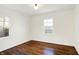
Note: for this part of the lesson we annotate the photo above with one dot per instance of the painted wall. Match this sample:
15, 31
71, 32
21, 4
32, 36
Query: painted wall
18, 29
76, 40
63, 32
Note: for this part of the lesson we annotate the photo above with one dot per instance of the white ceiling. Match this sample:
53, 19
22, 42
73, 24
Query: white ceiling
43, 8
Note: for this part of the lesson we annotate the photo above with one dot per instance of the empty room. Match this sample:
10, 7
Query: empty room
39, 29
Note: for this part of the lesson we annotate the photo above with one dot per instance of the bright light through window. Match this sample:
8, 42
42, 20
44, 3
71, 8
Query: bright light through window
48, 25
4, 26
48, 22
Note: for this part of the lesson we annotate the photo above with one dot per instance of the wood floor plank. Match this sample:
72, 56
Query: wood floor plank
40, 48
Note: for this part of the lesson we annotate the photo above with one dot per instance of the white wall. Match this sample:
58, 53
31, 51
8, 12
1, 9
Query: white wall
76, 40
63, 32
18, 29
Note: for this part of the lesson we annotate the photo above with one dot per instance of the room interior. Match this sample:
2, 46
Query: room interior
39, 29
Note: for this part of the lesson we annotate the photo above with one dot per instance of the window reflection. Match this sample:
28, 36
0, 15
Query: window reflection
48, 51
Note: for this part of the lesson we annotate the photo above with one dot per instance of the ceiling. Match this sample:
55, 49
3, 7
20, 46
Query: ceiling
43, 8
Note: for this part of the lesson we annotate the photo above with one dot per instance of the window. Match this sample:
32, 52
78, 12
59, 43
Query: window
4, 31
48, 25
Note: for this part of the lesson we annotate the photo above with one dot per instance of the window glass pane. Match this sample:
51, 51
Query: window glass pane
6, 24
6, 18
48, 27
1, 19
1, 24
48, 22
48, 30
1, 28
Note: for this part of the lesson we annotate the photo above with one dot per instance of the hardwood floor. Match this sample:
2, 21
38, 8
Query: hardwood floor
40, 48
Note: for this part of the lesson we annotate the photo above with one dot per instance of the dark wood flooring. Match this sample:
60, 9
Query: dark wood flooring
40, 48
